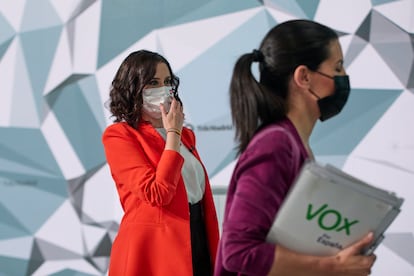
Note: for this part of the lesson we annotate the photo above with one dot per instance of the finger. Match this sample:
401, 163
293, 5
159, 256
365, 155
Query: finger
162, 108
357, 247
173, 104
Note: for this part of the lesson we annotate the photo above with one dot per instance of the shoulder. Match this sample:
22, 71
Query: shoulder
117, 128
271, 138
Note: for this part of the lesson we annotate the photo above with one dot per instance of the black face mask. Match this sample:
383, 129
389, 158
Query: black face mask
333, 104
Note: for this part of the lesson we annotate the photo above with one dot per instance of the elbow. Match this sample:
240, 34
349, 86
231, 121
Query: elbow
158, 195
232, 256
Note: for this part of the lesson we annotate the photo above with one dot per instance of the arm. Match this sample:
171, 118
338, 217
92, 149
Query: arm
259, 184
133, 171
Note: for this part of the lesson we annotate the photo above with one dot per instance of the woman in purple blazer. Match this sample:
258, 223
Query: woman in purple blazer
302, 79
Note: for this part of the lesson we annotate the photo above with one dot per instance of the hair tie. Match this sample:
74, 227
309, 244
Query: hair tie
257, 55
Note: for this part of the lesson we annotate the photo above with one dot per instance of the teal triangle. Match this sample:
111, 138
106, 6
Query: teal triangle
10, 227
7, 31
29, 148
291, 7
380, 2
39, 14
216, 8
25, 113
19, 198
138, 18
39, 50
79, 123
341, 134
4, 46
13, 266
309, 7
93, 99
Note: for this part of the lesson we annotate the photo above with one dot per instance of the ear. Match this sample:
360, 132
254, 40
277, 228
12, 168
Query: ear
301, 76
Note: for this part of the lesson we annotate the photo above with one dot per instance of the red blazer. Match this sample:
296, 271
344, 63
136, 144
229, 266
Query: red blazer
154, 234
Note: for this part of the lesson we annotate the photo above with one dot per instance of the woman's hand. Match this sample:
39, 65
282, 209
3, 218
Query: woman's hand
173, 124
174, 118
349, 261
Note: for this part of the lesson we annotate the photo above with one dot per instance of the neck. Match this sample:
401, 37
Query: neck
304, 127
157, 123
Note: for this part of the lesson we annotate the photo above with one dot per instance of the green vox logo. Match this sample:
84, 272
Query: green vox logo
330, 219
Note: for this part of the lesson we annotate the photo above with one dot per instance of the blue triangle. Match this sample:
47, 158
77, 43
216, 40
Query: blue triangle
39, 14
380, 2
92, 96
39, 50
10, 227
4, 46
40, 203
216, 8
341, 134
29, 148
78, 121
138, 18
7, 31
292, 7
13, 266
309, 7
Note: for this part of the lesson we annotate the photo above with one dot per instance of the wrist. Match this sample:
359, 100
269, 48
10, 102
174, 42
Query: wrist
174, 130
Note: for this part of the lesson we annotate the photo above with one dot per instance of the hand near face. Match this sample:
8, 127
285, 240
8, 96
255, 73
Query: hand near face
175, 116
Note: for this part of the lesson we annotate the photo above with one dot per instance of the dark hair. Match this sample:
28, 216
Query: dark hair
135, 72
285, 47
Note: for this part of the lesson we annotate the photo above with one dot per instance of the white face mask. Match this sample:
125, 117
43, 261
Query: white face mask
153, 97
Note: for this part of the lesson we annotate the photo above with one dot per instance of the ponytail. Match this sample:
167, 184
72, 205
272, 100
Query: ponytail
252, 104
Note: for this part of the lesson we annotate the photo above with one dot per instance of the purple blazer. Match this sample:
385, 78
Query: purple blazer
260, 181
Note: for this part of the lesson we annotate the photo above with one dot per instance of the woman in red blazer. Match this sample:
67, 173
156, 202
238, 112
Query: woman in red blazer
169, 225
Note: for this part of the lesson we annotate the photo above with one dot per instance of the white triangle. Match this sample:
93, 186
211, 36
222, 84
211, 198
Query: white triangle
221, 180
61, 147
13, 12
370, 71
345, 42
390, 140
343, 15
63, 229
103, 209
385, 157
385, 176
7, 76
400, 12
389, 263
65, 8
52, 267
93, 235
19, 248
86, 44
61, 67
280, 16
180, 48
